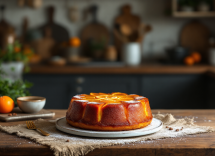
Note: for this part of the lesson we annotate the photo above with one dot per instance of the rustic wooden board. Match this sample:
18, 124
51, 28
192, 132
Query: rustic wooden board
192, 145
94, 31
58, 32
195, 36
25, 116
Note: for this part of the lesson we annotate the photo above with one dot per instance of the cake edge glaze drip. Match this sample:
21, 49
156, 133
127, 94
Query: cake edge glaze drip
109, 112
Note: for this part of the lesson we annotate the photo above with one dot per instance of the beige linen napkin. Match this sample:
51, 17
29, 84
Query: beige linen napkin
76, 146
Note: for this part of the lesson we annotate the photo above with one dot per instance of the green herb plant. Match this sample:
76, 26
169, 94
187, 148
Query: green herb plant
97, 45
16, 52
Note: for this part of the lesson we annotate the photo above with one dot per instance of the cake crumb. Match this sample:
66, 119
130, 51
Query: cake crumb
10, 114
177, 130
67, 140
14, 114
170, 128
167, 127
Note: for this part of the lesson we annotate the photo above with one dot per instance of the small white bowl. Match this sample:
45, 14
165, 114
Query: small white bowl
31, 104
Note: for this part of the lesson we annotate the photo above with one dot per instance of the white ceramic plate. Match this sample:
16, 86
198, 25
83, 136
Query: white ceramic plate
155, 126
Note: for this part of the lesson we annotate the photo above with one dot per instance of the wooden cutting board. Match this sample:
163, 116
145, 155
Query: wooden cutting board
59, 33
25, 116
94, 31
195, 36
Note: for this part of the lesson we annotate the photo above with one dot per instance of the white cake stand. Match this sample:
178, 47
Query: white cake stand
63, 126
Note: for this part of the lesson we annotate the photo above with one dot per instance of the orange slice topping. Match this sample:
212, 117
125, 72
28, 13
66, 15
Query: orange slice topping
113, 98
119, 93
133, 95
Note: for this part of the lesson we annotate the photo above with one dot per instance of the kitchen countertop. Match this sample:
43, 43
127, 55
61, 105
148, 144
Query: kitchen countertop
142, 69
200, 144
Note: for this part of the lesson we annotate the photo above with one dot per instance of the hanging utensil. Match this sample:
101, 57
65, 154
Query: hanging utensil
143, 30
73, 13
7, 32
35, 3
21, 3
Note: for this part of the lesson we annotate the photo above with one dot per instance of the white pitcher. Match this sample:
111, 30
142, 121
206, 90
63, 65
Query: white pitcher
131, 54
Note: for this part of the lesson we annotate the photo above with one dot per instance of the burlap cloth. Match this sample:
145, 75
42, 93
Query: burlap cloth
57, 141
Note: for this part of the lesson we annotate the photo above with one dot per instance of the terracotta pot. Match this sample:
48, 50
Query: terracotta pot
111, 54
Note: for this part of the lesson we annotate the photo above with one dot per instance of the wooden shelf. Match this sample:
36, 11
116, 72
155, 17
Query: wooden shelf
143, 69
194, 14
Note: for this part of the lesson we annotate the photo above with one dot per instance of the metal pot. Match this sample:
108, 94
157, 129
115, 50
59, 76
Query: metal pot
176, 55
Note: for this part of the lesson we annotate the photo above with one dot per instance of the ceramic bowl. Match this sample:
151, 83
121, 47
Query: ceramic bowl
31, 104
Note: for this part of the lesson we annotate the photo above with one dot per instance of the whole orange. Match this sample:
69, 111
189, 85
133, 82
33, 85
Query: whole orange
17, 49
6, 104
196, 56
75, 42
189, 60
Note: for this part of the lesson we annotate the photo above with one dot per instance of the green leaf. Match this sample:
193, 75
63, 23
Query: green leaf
12, 69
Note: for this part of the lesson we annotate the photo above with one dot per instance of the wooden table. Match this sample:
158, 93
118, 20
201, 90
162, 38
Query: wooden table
196, 145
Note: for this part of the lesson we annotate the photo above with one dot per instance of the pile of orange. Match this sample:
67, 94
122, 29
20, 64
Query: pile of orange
6, 104
75, 42
195, 57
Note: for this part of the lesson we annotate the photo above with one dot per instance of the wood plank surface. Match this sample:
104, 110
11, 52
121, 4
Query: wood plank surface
198, 145
143, 69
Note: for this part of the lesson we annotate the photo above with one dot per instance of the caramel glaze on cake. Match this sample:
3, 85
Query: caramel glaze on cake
109, 112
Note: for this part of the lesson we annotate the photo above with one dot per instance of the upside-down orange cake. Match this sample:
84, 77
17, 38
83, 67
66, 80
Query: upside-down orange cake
109, 112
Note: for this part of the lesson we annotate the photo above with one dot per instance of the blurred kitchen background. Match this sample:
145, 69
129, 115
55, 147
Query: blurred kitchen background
161, 49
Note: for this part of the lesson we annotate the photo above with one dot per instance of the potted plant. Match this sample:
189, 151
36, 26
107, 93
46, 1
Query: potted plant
14, 89
97, 48
187, 5
13, 58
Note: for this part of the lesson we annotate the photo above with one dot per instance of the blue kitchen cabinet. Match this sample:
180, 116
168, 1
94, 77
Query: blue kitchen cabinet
59, 89
175, 91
